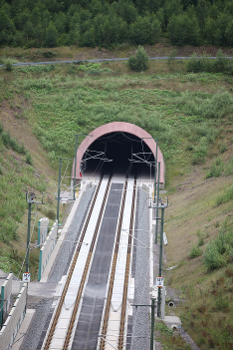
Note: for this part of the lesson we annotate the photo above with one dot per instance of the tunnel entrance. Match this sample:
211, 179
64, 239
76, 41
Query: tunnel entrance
120, 153
117, 147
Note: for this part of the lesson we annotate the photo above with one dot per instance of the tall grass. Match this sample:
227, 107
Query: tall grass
225, 197
203, 64
12, 198
219, 251
174, 118
216, 169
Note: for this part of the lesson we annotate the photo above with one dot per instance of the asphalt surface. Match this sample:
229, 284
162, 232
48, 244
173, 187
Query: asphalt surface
139, 324
87, 331
40, 322
96, 60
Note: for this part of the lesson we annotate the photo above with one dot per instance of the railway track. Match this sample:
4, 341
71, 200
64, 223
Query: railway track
113, 218
113, 331
50, 335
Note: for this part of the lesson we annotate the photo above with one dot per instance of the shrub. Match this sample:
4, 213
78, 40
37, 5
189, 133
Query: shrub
222, 148
50, 214
229, 168
139, 62
195, 252
28, 158
221, 303
216, 169
219, 105
212, 258
219, 252
49, 54
227, 196
203, 64
200, 151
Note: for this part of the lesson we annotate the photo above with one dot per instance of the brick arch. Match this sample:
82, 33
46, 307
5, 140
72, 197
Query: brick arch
119, 127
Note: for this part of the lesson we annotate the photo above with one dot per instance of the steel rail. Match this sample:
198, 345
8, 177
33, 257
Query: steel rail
86, 269
112, 275
127, 273
64, 292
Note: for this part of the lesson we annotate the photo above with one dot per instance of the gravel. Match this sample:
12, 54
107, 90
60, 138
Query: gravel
141, 314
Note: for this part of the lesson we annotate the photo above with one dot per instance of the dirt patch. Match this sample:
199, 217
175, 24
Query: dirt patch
18, 127
160, 49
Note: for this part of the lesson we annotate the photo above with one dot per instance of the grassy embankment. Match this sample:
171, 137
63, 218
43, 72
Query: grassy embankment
191, 116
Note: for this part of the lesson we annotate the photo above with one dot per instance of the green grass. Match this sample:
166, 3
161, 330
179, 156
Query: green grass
171, 340
225, 197
70, 100
195, 252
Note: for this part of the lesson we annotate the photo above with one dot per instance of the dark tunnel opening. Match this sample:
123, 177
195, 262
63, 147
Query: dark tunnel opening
118, 153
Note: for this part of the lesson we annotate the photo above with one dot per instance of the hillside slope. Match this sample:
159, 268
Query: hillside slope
190, 115
23, 167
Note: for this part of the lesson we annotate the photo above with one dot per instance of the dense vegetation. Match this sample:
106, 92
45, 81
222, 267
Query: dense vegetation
49, 23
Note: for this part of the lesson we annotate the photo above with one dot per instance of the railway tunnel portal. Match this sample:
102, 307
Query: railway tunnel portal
115, 147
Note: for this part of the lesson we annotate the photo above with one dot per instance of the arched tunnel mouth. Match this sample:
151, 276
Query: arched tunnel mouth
118, 153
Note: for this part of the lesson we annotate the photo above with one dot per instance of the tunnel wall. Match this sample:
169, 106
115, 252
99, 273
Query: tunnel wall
119, 127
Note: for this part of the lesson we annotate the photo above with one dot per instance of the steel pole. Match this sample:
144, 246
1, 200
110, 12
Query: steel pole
157, 207
59, 190
160, 260
156, 157
152, 324
28, 234
75, 165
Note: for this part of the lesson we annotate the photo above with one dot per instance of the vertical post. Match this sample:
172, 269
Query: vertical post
156, 157
38, 235
2, 306
75, 165
28, 232
40, 266
157, 207
160, 260
59, 191
152, 324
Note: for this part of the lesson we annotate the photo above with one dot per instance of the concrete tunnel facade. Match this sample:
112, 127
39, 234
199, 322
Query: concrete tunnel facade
118, 128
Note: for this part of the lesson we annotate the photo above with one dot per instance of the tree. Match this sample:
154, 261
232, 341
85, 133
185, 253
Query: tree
146, 30
183, 29
51, 35
140, 61
126, 10
7, 28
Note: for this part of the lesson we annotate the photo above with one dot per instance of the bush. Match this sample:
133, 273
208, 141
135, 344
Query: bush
229, 168
48, 54
200, 151
195, 252
219, 252
203, 64
216, 169
227, 196
140, 61
9, 67
28, 158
